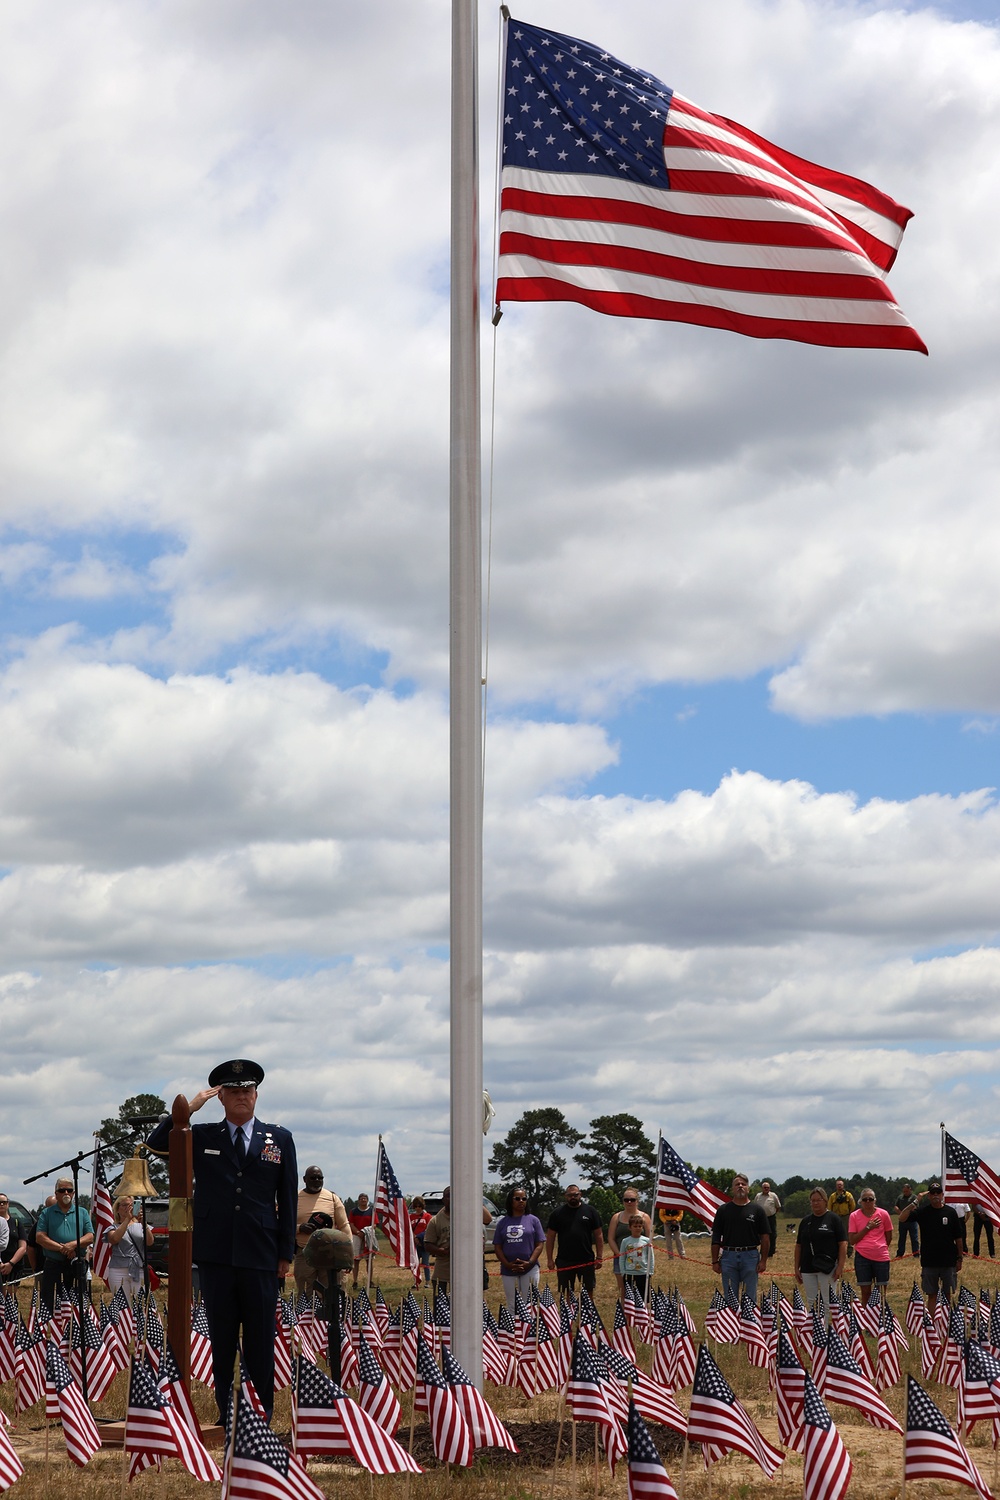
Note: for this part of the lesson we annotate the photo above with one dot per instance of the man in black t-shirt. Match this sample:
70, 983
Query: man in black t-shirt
580, 1233
942, 1243
740, 1242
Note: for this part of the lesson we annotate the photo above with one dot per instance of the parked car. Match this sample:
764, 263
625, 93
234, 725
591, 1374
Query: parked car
157, 1213
434, 1199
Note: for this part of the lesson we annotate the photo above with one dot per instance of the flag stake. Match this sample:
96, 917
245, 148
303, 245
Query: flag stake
562, 1418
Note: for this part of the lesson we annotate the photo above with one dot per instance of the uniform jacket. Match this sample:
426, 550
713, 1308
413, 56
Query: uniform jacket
242, 1217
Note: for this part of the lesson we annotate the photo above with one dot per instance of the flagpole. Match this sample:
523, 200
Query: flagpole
943, 1189
466, 677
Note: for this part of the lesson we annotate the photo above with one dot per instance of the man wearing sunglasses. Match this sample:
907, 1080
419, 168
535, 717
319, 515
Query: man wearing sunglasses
63, 1232
942, 1243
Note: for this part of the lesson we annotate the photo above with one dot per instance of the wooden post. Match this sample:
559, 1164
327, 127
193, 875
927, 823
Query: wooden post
180, 1223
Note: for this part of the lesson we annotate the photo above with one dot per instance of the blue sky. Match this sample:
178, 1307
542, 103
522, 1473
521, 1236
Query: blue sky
743, 686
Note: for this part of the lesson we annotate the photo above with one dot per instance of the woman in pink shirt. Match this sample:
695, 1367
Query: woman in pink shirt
869, 1230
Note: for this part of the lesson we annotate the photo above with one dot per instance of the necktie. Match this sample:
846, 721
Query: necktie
241, 1147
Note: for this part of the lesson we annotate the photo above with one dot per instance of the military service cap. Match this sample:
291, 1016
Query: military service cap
240, 1073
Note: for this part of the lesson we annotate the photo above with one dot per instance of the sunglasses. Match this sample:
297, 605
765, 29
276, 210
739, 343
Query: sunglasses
64, 1190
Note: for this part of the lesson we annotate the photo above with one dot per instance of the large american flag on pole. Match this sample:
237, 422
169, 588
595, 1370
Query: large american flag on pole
966, 1176
621, 194
678, 1187
391, 1204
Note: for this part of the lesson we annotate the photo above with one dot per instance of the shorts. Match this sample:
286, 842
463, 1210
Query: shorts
933, 1276
868, 1271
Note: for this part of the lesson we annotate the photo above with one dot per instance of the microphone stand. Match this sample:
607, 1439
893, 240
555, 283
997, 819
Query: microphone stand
80, 1257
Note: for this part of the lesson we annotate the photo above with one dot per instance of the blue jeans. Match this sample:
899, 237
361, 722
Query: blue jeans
739, 1266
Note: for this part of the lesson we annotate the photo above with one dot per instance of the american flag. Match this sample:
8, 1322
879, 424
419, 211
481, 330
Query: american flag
450, 1435
931, 1450
979, 1392
678, 1187
844, 1382
621, 194
647, 1478
494, 1359
375, 1394
953, 1351
719, 1423
104, 1219
79, 1428
29, 1367
967, 1178
11, 1467
487, 1430
101, 1368
653, 1400
620, 1336
752, 1334
589, 1401
790, 1393
201, 1347
826, 1464
153, 1425
915, 1311
390, 1203
888, 1352
326, 1420
258, 1466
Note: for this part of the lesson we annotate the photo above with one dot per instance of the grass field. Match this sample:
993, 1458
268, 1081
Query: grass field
877, 1455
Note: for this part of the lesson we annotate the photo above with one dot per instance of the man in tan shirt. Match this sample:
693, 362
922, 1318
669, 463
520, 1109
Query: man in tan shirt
314, 1198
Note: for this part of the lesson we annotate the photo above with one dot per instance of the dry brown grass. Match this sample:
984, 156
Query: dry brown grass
877, 1455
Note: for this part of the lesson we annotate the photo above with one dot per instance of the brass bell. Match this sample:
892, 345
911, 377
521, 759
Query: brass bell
135, 1181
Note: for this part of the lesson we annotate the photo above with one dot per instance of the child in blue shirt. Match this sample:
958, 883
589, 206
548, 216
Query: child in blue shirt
636, 1251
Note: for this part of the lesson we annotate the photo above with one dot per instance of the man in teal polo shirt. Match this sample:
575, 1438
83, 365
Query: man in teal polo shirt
56, 1234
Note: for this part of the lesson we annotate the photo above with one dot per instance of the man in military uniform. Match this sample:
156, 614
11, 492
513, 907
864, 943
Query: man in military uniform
245, 1182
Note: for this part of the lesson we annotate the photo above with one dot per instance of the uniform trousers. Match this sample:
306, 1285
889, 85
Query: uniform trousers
235, 1297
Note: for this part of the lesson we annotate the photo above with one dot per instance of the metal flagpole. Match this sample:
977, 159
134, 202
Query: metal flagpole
466, 676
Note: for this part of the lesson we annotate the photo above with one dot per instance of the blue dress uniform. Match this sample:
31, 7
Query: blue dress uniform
244, 1223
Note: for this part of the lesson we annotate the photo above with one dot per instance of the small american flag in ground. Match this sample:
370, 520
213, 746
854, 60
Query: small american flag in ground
719, 1423
104, 1219
622, 195
389, 1202
932, 1451
375, 1394
589, 1400
486, 1428
326, 1420
966, 1176
647, 1478
678, 1187
11, 1467
826, 1464
79, 1428
153, 1426
790, 1393
258, 1466
844, 1382
450, 1435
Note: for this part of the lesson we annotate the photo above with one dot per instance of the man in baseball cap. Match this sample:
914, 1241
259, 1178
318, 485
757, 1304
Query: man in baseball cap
245, 1193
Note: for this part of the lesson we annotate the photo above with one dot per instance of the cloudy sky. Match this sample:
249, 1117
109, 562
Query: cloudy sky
742, 838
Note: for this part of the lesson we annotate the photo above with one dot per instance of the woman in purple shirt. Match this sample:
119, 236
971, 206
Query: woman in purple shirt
518, 1240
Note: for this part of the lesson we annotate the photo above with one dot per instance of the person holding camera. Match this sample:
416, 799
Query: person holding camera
820, 1252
